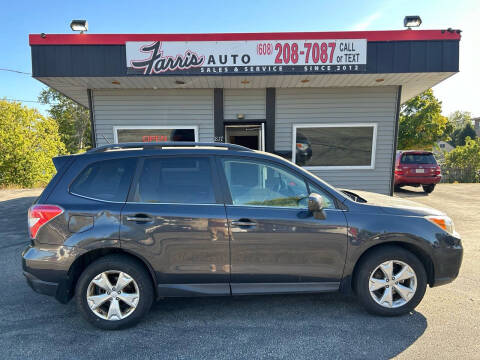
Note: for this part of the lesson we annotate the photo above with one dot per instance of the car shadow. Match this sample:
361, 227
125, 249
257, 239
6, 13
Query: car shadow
410, 191
289, 326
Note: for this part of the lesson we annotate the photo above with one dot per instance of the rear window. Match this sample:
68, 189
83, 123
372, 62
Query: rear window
418, 159
181, 180
105, 180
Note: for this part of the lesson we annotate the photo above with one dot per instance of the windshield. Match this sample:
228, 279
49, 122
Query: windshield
418, 159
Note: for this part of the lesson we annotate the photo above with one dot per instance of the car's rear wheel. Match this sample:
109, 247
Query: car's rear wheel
390, 281
428, 188
114, 292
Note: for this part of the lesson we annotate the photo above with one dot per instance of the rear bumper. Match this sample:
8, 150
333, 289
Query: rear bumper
40, 286
417, 180
46, 269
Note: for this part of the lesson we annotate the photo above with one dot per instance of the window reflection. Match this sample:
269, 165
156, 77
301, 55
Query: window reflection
334, 146
262, 184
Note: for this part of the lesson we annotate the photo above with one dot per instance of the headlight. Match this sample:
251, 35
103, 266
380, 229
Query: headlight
442, 221
302, 147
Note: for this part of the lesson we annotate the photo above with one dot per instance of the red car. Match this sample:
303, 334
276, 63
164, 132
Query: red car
415, 168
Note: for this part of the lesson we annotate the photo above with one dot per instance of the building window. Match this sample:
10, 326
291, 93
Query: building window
123, 134
334, 146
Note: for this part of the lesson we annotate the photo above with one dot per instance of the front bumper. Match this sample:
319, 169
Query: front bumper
303, 156
447, 260
46, 269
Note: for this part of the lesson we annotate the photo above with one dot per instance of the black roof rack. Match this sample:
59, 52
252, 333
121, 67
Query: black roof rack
167, 144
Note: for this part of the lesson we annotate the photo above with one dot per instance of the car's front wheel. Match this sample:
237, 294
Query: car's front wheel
114, 292
390, 281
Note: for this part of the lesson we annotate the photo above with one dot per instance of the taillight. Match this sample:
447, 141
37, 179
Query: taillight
437, 171
398, 171
39, 215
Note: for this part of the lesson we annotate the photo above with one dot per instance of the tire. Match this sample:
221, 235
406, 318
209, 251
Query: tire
397, 188
369, 266
428, 188
138, 291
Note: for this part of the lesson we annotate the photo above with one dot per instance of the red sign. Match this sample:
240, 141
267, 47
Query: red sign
154, 138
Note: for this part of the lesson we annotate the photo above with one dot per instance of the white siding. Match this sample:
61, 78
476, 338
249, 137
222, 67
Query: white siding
152, 108
342, 105
141, 107
250, 102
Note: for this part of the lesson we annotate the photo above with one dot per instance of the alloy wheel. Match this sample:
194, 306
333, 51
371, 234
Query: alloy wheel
393, 284
113, 295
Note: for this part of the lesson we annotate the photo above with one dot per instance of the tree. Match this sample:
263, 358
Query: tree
421, 122
454, 136
459, 119
73, 120
463, 162
28, 141
459, 135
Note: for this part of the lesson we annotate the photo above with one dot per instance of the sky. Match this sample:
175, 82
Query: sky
20, 18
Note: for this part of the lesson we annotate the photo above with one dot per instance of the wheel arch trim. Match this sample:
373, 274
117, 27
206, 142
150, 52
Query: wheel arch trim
66, 292
423, 255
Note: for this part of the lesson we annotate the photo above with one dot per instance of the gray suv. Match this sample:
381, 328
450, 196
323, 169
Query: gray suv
123, 225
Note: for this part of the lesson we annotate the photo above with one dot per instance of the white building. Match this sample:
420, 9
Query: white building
327, 100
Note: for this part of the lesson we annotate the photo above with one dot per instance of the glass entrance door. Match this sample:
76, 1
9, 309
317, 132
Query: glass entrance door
248, 135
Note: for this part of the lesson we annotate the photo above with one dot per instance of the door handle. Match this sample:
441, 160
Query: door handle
140, 218
244, 222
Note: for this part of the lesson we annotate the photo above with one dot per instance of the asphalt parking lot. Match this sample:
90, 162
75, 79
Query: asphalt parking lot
445, 324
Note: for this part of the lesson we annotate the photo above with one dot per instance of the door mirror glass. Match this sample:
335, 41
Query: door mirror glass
315, 202
315, 205
327, 200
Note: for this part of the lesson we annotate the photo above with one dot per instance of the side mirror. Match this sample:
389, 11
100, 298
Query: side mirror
315, 206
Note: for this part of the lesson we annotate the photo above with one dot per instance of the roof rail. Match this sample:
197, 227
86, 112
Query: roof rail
167, 144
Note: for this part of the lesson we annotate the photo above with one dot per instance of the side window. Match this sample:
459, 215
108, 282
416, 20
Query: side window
263, 184
328, 202
186, 180
105, 180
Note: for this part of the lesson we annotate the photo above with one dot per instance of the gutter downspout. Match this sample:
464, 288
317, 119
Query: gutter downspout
92, 118
395, 139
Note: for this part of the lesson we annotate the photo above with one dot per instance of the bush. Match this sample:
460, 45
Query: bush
459, 175
465, 160
28, 141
